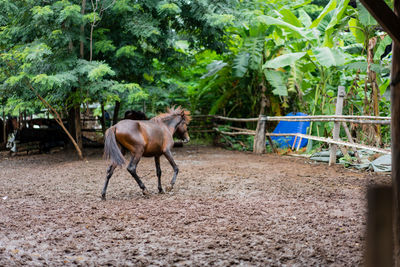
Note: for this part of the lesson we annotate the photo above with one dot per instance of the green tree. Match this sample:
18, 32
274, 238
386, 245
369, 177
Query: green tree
75, 52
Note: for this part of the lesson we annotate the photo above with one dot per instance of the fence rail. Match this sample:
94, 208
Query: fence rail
321, 118
213, 127
338, 119
311, 137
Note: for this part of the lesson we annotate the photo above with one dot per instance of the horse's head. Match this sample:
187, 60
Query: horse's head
182, 132
177, 120
181, 129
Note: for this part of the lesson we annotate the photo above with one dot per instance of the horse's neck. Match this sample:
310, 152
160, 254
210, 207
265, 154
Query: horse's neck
172, 123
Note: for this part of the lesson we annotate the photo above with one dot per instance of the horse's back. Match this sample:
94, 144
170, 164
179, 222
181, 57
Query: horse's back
147, 136
129, 131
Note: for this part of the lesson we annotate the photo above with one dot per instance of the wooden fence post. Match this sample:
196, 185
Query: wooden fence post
259, 138
350, 139
336, 127
4, 141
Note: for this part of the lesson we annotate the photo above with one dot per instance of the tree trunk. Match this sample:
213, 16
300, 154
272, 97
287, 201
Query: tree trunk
91, 42
116, 112
58, 119
81, 48
74, 122
74, 118
103, 119
375, 96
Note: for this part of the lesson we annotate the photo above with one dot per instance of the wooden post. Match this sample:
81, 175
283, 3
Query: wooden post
271, 143
379, 250
299, 144
259, 138
294, 142
4, 128
350, 139
336, 127
395, 132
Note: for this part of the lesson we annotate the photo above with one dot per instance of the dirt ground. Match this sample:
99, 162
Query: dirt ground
227, 208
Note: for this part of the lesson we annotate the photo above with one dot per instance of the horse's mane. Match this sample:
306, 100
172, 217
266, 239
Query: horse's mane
172, 112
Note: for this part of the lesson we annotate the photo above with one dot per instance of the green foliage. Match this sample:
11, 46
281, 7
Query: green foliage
365, 18
40, 46
103, 46
210, 56
127, 51
328, 57
277, 79
356, 29
241, 64
381, 47
284, 60
169, 9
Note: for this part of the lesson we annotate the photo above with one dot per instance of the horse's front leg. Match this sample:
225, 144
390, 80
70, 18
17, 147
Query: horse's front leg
169, 157
158, 170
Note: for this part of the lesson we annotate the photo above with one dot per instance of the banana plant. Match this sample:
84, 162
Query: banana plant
364, 29
239, 77
313, 50
252, 45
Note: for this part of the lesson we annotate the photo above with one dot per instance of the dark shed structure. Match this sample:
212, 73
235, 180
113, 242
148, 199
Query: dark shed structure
390, 20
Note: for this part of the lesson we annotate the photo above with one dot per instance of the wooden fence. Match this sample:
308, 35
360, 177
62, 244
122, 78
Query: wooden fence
211, 124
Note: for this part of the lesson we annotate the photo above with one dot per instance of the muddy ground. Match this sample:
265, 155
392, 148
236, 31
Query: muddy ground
227, 208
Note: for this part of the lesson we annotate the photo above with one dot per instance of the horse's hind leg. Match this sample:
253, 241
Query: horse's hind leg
158, 170
110, 172
169, 157
132, 170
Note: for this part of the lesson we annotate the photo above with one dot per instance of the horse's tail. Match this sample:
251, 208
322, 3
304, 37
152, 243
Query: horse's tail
111, 149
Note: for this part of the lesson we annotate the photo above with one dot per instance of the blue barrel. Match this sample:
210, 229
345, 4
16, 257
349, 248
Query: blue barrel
291, 127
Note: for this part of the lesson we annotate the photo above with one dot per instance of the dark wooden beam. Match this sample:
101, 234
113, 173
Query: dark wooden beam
379, 227
385, 17
390, 21
395, 135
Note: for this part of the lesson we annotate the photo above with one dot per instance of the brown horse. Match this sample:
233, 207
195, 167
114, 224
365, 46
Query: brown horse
151, 138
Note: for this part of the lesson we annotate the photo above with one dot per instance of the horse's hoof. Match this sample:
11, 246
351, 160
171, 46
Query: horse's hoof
161, 191
169, 188
103, 197
146, 192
